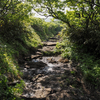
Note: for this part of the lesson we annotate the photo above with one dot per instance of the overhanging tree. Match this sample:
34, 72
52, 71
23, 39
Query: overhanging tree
14, 9
12, 13
87, 9
82, 19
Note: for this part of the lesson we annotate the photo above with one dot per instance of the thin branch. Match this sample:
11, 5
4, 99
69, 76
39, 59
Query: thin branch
4, 7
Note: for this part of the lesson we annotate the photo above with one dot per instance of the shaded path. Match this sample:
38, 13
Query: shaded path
50, 77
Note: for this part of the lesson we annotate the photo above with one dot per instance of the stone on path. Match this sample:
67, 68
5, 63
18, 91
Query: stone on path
50, 78
35, 56
49, 43
51, 60
63, 60
37, 64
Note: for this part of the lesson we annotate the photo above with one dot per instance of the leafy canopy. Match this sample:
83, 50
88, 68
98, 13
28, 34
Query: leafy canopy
82, 18
85, 9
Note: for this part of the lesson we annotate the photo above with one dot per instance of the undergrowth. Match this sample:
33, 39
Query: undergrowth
8, 73
19, 35
45, 29
15, 40
87, 63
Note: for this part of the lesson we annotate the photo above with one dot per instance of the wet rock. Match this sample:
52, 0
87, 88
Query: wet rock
51, 60
36, 64
48, 48
48, 89
49, 43
54, 90
35, 56
63, 60
46, 82
38, 53
26, 66
28, 73
37, 77
41, 64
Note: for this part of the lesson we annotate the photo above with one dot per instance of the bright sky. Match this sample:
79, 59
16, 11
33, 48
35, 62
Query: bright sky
48, 19
39, 16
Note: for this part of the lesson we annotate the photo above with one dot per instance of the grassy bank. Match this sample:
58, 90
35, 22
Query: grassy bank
45, 29
87, 63
18, 39
15, 40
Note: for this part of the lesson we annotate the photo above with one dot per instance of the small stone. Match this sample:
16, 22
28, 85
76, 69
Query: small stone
51, 44
35, 56
38, 53
26, 66
51, 60
47, 89
63, 60
36, 64
66, 61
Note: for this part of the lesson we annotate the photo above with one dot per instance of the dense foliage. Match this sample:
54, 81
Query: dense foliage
81, 40
12, 35
19, 33
86, 63
82, 20
45, 29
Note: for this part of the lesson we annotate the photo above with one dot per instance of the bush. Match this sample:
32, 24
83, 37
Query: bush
86, 40
45, 29
15, 39
87, 63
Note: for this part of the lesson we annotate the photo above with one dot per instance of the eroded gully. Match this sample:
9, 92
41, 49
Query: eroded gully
51, 77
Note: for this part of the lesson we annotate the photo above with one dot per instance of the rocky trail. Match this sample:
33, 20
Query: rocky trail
48, 76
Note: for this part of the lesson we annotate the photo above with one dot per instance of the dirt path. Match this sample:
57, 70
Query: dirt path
50, 77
